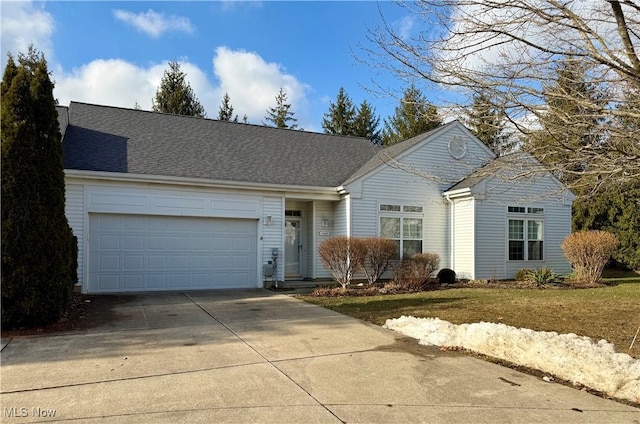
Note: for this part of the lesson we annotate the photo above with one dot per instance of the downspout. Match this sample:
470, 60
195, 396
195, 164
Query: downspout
452, 231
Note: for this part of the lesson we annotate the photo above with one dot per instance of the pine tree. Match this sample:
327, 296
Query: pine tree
281, 116
225, 112
366, 123
340, 119
487, 122
38, 247
568, 124
412, 117
175, 94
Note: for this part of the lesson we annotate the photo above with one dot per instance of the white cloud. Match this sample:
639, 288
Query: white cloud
154, 23
23, 24
252, 84
405, 26
115, 82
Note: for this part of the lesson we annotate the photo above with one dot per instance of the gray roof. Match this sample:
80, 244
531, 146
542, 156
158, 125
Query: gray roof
111, 139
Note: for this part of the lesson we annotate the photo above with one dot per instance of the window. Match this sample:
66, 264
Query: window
526, 234
412, 209
390, 208
404, 228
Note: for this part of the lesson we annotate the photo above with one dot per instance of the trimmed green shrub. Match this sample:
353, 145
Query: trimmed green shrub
589, 252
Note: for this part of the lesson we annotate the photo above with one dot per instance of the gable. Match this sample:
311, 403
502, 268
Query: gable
432, 156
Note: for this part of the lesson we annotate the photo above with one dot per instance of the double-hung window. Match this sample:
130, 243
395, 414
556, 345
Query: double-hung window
402, 224
526, 233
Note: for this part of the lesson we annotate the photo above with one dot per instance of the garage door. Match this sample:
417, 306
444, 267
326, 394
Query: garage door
149, 253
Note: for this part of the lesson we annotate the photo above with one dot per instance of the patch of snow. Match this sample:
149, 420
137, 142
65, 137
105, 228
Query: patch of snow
568, 356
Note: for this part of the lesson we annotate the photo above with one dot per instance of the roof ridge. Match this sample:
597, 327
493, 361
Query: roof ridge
214, 120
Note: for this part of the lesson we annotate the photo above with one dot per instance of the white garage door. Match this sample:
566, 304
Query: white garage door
148, 253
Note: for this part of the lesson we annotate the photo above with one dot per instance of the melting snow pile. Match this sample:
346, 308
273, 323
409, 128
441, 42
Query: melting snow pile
567, 356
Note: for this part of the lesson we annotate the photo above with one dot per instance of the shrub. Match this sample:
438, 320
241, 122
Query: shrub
523, 274
446, 276
341, 256
407, 276
38, 269
589, 252
414, 273
426, 263
378, 254
541, 276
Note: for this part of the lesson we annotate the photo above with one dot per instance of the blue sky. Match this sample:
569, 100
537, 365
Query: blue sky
114, 53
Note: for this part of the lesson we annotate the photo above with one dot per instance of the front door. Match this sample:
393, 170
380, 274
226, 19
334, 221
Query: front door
292, 248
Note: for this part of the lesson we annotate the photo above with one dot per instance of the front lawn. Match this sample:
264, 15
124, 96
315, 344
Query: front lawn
611, 313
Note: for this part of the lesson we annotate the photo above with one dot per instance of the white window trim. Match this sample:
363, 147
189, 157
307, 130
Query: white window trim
402, 214
526, 216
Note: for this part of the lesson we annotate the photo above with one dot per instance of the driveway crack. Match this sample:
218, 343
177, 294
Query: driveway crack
265, 359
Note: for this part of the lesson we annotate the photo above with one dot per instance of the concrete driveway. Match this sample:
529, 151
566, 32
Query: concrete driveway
255, 356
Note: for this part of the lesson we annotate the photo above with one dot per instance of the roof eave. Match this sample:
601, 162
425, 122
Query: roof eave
461, 192
163, 179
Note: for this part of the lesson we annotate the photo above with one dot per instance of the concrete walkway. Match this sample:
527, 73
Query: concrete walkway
255, 356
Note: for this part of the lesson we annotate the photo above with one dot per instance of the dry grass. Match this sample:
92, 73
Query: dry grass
611, 313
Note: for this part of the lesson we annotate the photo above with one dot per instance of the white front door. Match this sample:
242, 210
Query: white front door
292, 248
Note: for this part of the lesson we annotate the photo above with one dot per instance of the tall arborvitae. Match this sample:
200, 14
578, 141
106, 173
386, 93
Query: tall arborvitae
412, 117
38, 247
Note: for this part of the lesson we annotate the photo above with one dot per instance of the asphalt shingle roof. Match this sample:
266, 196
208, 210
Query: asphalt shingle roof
103, 138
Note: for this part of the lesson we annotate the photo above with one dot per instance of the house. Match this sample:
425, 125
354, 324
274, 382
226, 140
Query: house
168, 202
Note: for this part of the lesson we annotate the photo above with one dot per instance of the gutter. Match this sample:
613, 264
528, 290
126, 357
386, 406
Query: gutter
201, 182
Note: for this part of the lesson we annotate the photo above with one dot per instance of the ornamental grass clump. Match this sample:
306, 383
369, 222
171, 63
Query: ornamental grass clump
589, 252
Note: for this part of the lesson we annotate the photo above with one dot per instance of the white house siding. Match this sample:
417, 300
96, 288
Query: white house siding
272, 235
322, 209
341, 217
419, 178
87, 196
463, 238
492, 226
74, 209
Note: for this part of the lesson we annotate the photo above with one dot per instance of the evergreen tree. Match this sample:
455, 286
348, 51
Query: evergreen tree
245, 119
569, 124
38, 247
412, 117
366, 123
175, 94
281, 116
487, 122
614, 209
225, 112
341, 116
